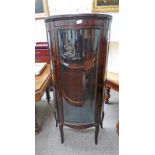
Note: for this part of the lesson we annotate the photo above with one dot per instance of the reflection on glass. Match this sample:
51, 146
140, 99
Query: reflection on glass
78, 52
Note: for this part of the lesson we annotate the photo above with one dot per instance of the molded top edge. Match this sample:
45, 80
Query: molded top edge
78, 16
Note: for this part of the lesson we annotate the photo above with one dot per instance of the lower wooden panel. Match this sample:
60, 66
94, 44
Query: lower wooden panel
42, 59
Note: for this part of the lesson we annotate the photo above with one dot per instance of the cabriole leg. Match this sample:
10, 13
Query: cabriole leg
96, 133
61, 132
102, 120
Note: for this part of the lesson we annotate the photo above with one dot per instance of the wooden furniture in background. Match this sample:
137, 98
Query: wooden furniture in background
42, 52
112, 82
78, 47
42, 55
42, 83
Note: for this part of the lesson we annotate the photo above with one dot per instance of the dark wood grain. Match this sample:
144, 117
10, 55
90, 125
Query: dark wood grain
78, 54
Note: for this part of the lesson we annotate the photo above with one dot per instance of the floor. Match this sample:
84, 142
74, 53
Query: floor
77, 142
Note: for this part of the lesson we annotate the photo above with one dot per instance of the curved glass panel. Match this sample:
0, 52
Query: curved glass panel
78, 53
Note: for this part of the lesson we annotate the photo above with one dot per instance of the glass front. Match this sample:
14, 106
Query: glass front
78, 53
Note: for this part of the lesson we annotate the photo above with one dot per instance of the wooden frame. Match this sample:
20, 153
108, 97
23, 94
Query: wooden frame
43, 11
69, 22
105, 5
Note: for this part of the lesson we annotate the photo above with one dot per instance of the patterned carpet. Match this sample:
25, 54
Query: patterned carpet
77, 142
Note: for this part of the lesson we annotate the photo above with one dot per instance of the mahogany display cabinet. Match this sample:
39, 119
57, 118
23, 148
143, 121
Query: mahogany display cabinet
78, 46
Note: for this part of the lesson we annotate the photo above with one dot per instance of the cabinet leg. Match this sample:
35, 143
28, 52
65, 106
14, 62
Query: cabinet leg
37, 127
96, 133
56, 124
48, 95
107, 95
102, 120
101, 125
56, 118
61, 133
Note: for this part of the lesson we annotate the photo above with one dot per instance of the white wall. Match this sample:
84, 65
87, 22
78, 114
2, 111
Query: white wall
40, 30
80, 6
113, 59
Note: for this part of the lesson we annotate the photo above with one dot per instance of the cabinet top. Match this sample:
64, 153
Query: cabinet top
78, 16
